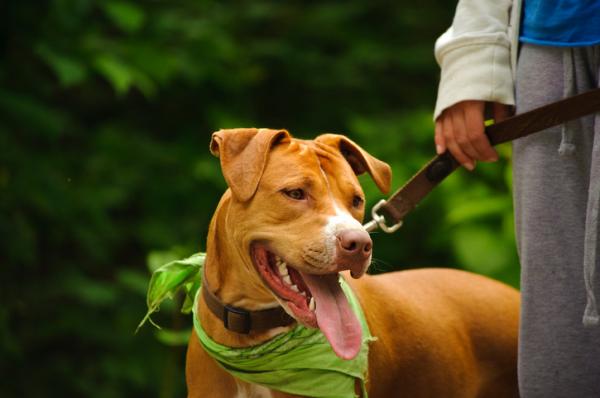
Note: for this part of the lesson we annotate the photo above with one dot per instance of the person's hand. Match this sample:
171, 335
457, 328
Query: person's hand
460, 129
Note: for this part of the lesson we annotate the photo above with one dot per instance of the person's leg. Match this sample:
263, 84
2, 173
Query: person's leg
558, 356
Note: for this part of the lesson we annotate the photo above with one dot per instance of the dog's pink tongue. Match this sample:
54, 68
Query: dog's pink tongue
334, 315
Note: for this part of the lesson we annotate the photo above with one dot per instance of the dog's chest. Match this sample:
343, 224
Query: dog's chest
246, 390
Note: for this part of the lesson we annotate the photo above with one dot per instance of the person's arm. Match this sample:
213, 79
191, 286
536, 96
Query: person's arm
474, 56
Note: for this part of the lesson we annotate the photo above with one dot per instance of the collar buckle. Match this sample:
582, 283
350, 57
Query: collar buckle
236, 319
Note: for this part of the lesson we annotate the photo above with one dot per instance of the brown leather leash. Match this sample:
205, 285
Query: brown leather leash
388, 214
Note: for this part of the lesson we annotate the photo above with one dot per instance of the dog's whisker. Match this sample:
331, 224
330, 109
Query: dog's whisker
379, 266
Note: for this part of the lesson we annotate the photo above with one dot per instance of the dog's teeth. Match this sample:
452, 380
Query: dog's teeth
282, 269
311, 304
287, 279
295, 288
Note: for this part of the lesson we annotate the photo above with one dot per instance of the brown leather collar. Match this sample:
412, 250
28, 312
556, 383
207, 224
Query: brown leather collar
240, 320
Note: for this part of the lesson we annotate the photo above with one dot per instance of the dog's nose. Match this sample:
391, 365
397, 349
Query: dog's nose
354, 243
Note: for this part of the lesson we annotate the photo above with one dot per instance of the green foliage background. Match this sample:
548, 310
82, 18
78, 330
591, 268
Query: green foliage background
106, 111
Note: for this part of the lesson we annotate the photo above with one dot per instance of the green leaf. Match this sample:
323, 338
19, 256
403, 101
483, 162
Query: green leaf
123, 76
69, 71
94, 293
41, 118
191, 289
135, 281
476, 209
167, 280
127, 16
115, 71
158, 258
481, 250
173, 337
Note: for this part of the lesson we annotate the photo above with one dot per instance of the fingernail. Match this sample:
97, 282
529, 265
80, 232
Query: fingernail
439, 149
469, 166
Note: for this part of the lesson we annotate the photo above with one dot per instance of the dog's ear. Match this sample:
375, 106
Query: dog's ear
360, 160
243, 154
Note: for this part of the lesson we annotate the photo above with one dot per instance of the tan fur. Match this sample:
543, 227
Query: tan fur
440, 332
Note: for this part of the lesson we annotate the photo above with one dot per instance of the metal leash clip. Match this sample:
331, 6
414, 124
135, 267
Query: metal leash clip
378, 220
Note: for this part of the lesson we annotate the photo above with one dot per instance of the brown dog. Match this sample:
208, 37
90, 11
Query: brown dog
294, 209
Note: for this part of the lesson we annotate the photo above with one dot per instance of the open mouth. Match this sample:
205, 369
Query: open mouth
316, 301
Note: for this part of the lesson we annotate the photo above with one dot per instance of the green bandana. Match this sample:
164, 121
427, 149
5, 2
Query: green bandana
300, 361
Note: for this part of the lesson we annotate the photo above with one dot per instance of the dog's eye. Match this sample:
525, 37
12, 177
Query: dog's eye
357, 201
296, 194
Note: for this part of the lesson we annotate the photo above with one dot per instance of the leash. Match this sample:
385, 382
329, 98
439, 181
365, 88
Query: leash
389, 214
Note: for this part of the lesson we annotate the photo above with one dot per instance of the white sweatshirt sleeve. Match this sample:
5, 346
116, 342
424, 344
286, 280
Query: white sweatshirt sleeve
475, 55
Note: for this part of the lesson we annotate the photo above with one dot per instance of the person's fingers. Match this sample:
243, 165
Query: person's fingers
473, 115
461, 130
453, 147
500, 111
440, 142
461, 135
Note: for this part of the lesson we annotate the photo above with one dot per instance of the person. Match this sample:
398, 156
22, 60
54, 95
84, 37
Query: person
556, 172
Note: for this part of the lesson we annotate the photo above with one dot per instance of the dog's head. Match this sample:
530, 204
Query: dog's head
295, 213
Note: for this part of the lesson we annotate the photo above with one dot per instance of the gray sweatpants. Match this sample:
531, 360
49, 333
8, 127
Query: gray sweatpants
556, 191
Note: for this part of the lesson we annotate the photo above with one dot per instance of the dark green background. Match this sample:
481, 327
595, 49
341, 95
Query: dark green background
106, 111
